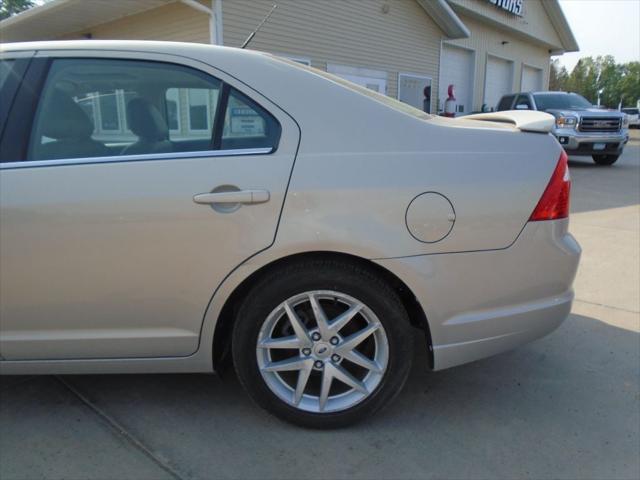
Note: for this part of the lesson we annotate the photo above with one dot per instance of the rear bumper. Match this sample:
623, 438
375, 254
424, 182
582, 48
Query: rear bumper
482, 303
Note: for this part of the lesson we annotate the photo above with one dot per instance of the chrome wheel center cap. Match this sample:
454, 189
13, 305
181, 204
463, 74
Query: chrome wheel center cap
322, 350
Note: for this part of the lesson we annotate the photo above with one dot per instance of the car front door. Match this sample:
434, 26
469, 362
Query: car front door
141, 185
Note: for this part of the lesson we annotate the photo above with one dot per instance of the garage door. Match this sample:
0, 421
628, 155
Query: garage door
456, 68
498, 80
411, 89
531, 79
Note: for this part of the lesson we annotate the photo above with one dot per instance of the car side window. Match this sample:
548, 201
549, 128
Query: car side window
104, 107
247, 125
523, 103
505, 103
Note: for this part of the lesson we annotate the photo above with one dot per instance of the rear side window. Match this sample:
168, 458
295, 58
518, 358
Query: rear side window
102, 108
247, 125
505, 102
523, 102
5, 70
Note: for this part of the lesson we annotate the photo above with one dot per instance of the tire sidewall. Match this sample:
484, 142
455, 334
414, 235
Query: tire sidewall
268, 294
605, 159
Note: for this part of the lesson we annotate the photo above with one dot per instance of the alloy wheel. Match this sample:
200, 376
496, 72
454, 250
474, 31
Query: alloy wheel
322, 351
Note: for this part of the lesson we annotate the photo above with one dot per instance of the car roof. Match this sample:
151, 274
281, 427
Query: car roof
132, 45
552, 93
539, 93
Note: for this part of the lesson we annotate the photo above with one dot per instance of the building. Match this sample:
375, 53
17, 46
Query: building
485, 48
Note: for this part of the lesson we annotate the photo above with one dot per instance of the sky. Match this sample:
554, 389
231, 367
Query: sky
603, 27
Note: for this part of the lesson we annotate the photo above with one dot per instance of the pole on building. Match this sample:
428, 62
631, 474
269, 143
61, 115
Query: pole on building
217, 14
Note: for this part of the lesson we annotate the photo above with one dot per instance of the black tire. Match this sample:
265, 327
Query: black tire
321, 274
605, 159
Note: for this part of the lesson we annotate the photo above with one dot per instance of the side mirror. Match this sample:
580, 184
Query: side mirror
522, 106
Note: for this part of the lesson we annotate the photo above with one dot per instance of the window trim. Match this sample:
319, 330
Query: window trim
136, 158
221, 113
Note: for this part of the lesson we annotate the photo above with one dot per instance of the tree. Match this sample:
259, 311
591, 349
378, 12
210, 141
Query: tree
619, 83
609, 76
11, 7
558, 76
629, 84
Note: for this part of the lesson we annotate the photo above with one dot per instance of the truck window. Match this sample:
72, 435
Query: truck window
505, 103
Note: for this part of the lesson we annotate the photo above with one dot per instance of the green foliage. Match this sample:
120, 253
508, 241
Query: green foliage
558, 75
618, 82
11, 7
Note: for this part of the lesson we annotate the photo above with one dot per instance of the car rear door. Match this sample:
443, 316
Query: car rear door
115, 234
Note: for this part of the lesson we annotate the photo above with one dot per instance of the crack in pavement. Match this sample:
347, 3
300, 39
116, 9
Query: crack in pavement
606, 306
120, 430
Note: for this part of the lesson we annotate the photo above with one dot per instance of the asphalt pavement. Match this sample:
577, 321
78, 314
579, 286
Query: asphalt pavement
564, 407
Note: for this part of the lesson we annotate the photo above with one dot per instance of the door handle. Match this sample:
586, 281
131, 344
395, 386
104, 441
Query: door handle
239, 196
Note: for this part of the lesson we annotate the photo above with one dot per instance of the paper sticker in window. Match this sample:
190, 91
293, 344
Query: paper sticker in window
246, 122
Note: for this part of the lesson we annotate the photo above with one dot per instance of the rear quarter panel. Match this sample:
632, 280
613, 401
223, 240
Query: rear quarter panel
357, 200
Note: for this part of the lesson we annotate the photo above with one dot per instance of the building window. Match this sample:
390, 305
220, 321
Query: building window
375, 80
200, 107
109, 114
173, 110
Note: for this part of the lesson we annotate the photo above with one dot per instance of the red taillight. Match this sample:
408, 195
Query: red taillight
554, 203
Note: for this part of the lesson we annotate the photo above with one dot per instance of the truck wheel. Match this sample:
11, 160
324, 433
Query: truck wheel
322, 344
605, 159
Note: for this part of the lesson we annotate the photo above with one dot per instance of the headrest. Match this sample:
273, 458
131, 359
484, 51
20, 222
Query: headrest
146, 121
63, 118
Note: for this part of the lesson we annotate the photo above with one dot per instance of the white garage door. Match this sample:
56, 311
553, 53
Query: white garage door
498, 81
456, 68
411, 89
531, 79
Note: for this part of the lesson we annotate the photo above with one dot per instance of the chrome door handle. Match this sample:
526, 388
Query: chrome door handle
239, 196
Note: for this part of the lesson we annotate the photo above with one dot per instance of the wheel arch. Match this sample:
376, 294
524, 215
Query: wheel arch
224, 325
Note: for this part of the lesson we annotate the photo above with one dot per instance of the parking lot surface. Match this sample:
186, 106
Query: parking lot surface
566, 406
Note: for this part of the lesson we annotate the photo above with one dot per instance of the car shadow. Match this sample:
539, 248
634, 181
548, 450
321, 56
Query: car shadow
595, 187
572, 395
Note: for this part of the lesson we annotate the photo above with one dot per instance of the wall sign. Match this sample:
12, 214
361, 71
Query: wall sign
513, 6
